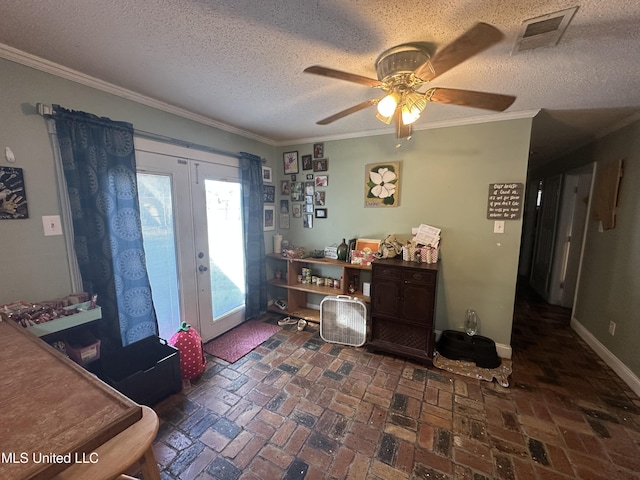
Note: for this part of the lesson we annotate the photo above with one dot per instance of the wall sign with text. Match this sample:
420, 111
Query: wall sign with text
505, 201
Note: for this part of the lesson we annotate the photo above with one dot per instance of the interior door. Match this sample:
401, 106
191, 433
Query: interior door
191, 216
545, 235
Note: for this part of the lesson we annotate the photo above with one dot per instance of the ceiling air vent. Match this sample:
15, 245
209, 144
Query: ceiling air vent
544, 31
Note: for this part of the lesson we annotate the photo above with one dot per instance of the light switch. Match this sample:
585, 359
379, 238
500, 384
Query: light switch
51, 225
498, 226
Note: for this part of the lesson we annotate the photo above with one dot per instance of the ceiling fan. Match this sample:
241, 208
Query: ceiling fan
404, 72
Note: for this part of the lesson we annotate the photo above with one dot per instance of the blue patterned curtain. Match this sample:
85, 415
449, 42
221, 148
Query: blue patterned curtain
98, 159
252, 206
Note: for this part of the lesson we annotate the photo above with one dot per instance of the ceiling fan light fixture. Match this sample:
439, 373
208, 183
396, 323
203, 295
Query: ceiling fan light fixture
410, 115
384, 119
388, 105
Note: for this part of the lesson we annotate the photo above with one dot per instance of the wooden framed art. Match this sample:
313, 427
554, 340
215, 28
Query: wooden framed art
321, 165
318, 150
290, 161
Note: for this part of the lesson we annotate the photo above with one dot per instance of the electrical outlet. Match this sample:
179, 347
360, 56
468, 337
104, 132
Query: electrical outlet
612, 328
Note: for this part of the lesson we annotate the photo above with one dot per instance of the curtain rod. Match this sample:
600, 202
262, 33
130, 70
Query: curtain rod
47, 110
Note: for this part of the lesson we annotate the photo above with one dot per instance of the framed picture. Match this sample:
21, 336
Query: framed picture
290, 160
321, 165
293, 178
269, 218
308, 199
309, 176
320, 199
382, 185
297, 191
321, 213
308, 208
268, 193
308, 188
284, 206
284, 220
13, 198
285, 188
368, 245
306, 162
296, 210
322, 180
308, 221
351, 248
267, 175
318, 150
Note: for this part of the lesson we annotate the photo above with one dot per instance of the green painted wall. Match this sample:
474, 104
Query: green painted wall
445, 177
609, 282
34, 267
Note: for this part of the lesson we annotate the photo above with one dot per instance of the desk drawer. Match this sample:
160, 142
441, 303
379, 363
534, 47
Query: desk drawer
388, 273
419, 276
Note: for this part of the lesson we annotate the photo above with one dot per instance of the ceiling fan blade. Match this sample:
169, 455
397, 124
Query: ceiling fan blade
470, 98
402, 130
348, 111
340, 75
480, 37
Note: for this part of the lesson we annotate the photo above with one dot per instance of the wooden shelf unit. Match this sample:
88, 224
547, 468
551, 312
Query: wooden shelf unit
297, 292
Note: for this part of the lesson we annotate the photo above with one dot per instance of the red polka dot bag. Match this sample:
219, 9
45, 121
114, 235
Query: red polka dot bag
189, 343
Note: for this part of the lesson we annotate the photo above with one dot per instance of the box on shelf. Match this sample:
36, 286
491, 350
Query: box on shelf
361, 257
82, 347
145, 371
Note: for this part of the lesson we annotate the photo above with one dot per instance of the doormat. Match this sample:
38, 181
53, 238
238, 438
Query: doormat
469, 369
236, 343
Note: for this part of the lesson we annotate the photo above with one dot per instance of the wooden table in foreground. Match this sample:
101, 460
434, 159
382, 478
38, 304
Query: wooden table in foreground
59, 421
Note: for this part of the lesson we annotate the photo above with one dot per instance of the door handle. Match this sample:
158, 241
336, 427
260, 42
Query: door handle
202, 268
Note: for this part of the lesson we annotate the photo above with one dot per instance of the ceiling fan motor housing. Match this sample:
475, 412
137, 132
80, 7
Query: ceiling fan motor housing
400, 60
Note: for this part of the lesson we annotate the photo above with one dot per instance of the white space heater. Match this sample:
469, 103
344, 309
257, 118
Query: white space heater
343, 319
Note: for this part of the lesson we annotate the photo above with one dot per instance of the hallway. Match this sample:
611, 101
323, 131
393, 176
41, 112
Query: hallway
297, 407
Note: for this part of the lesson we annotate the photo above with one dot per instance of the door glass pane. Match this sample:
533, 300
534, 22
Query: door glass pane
226, 246
156, 213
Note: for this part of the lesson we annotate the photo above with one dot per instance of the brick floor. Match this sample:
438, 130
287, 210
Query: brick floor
297, 407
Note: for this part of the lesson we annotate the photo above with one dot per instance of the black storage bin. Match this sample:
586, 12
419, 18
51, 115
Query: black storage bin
456, 345
145, 371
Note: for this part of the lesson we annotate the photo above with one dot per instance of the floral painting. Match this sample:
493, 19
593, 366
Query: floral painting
382, 185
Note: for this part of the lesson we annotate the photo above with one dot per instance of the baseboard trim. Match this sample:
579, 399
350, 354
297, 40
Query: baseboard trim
609, 358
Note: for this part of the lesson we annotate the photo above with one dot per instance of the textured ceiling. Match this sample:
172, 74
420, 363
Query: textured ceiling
240, 63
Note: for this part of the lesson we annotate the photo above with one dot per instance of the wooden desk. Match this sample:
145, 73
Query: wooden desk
51, 407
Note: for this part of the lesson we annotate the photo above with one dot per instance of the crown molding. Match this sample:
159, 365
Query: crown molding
458, 122
38, 63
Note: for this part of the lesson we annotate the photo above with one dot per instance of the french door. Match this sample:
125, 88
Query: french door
191, 214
